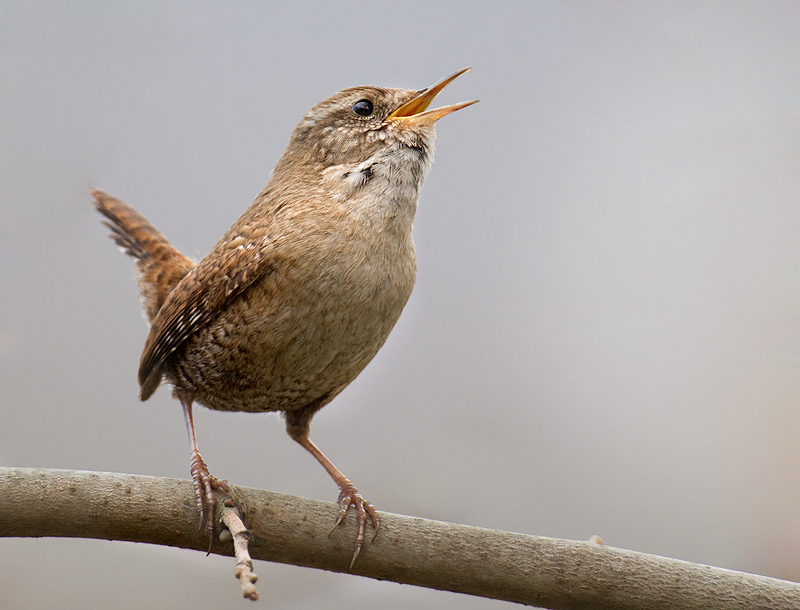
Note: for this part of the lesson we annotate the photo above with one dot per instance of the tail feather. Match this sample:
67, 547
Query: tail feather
160, 265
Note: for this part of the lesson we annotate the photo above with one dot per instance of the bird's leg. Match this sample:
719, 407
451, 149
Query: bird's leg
204, 482
348, 494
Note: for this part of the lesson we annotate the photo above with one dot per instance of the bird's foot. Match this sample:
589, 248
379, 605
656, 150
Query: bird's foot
349, 497
205, 484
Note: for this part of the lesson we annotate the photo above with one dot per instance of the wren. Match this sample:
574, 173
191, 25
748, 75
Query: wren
303, 290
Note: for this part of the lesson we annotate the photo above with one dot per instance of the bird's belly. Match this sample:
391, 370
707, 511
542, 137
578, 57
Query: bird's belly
285, 356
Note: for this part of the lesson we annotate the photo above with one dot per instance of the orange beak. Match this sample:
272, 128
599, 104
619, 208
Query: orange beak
416, 109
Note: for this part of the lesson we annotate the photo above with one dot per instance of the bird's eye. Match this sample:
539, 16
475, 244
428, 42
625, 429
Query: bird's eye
363, 107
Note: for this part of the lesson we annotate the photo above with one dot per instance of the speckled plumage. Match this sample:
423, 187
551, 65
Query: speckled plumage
329, 261
303, 290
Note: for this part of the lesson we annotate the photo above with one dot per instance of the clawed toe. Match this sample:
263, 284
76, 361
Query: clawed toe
349, 497
348, 494
205, 484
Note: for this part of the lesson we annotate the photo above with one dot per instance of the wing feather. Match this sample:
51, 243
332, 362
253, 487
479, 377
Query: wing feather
207, 289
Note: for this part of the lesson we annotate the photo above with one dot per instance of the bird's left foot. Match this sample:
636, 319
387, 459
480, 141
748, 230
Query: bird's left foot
349, 497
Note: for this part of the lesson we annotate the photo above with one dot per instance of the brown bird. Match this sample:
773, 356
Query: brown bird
302, 291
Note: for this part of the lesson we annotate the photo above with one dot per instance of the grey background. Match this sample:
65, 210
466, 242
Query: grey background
603, 336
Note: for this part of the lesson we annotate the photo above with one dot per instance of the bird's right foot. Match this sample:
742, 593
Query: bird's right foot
205, 484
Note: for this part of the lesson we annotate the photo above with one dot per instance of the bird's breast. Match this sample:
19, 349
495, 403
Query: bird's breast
308, 328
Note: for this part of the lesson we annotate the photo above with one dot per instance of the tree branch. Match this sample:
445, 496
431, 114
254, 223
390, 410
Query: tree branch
546, 572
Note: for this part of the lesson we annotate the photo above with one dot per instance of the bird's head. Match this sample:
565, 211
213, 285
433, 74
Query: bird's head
355, 123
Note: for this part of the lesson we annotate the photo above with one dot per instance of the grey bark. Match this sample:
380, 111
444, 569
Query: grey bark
546, 572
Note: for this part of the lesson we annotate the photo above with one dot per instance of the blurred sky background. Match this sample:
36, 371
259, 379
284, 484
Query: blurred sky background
603, 338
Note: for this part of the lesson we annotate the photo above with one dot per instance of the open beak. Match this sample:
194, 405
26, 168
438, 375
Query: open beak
416, 109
